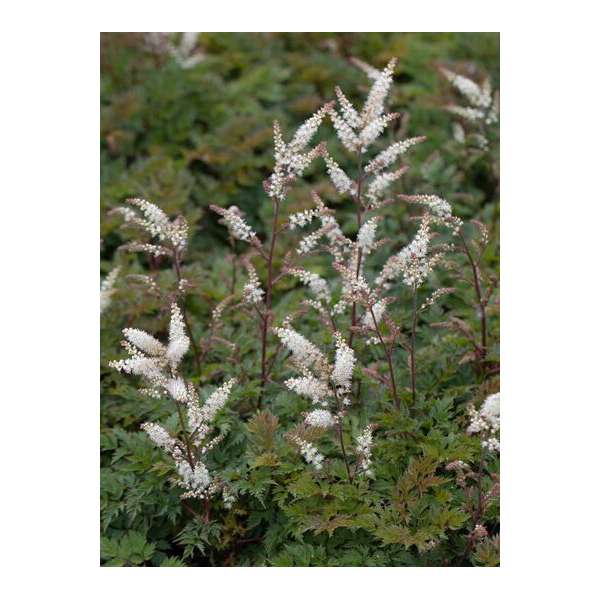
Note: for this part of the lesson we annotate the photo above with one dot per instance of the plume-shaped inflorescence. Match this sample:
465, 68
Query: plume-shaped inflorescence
482, 106
327, 384
108, 288
485, 422
158, 365
170, 236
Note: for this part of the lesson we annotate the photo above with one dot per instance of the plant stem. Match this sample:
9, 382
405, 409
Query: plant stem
359, 225
480, 302
188, 446
268, 305
479, 512
388, 354
413, 368
341, 438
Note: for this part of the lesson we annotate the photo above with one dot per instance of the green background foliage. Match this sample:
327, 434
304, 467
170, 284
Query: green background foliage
187, 138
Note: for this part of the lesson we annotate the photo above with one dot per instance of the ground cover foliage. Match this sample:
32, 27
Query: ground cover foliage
397, 464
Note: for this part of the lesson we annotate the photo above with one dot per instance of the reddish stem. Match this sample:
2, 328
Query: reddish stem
268, 305
480, 301
388, 355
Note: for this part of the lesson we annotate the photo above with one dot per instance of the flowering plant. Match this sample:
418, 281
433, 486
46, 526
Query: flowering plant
319, 372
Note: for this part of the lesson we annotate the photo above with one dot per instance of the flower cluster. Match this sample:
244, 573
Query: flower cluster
311, 455
302, 218
326, 385
310, 387
304, 353
252, 292
238, 228
366, 235
438, 210
154, 361
386, 157
377, 310
290, 160
355, 286
158, 364
358, 131
482, 106
364, 444
380, 184
343, 368
431, 300
320, 418
107, 288
486, 422
155, 222
343, 184
414, 262
316, 284
320, 380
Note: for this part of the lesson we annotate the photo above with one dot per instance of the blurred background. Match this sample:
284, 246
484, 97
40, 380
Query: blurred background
186, 119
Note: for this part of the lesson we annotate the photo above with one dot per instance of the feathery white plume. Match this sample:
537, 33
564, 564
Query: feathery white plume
381, 183
233, 219
316, 284
320, 418
343, 184
344, 132
344, 364
311, 455
366, 235
107, 288
413, 261
374, 129
389, 155
179, 342
145, 342
378, 93
303, 352
486, 422
160, 436
252, 292
157, 224
309, 387
364, 443
351, 117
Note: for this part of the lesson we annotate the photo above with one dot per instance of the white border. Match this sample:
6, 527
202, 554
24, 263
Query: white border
50, 249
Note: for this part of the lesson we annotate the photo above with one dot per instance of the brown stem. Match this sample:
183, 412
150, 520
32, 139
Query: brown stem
480, 508
480, 301
268, 304
332, 321
388, 355
206, 510
413, 368
341, 437
359, 224
188, 446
